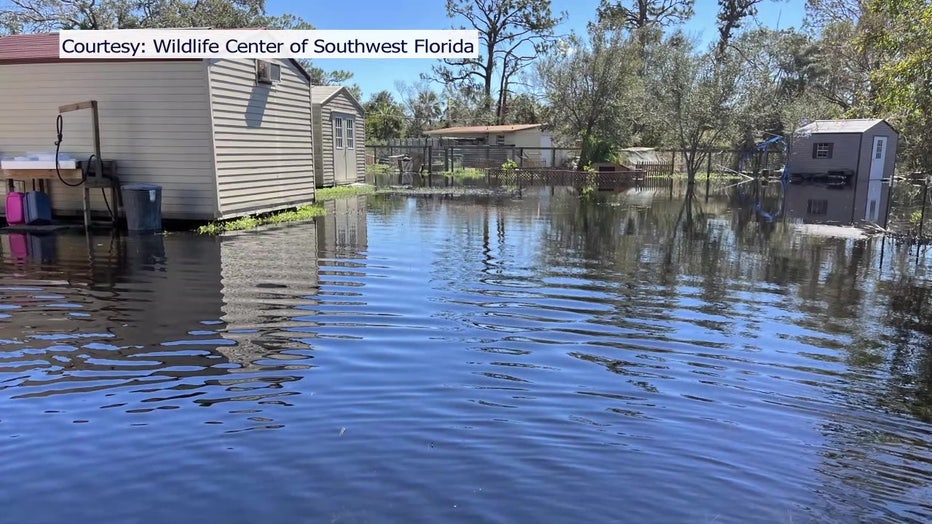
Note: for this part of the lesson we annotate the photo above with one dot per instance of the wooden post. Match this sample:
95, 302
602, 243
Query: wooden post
521, 157
92, 105
922, 214
430, 160
553, 157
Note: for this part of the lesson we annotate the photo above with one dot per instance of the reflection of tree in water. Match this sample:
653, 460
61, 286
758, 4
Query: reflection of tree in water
864, 343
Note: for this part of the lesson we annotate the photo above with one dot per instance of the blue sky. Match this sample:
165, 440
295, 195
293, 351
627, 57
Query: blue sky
375, 75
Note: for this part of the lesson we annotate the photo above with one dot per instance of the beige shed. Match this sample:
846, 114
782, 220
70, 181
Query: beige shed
224, 138
340, 132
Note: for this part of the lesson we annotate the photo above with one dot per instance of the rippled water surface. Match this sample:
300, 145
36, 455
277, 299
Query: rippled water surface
430, 359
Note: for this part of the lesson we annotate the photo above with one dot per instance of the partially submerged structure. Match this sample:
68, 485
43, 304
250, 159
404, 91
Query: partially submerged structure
855, 159
340, 136
223, 138
533, 143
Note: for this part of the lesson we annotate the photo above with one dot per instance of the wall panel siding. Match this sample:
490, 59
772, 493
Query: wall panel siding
846, 148
262, 138
154, 122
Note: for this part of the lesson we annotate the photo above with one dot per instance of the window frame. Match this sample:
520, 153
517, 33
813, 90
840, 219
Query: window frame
823, 150
338, 132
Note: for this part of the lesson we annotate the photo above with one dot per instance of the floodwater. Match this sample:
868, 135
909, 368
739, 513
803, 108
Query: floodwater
541, 358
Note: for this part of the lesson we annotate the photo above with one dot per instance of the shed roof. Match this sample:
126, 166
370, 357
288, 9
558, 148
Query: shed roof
853, 125
41, 48
322, 94
472, 130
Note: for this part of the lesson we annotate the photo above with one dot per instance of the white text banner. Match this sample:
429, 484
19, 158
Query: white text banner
261, 43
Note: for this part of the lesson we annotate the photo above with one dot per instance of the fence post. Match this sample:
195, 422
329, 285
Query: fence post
521, 157
430, 160
553, 157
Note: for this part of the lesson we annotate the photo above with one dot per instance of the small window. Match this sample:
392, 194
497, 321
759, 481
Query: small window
500, 140
350, 136
338, 132
817, 207
268, 72
878, 151
822, 150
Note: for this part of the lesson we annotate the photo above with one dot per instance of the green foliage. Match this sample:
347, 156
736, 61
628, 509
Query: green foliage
903, 82
384, 117
593, 86
379, 169
468, 173
509, 166
254, 221
294, 215
594, 150
336, 192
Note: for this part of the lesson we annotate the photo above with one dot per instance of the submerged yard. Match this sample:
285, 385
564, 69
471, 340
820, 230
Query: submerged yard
645, 355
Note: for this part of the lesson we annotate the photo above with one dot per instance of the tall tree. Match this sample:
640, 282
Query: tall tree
384, 117
643, 14
645, 18
836, 24
589, 85
695, 93
904, 80
423, 107
731, 15
511, 35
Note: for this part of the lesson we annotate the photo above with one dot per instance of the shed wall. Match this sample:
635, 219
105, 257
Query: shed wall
263, 140
844, 155
154, 122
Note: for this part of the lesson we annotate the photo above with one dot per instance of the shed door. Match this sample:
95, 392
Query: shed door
878, 160
344, 149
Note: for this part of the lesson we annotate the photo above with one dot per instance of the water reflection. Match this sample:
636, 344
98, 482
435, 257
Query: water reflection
696, 351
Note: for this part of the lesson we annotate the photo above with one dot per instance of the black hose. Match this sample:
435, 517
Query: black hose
59, 127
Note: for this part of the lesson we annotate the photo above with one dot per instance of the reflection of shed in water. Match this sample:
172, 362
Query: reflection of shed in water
267, 276
343, 229
134, 308
821, 204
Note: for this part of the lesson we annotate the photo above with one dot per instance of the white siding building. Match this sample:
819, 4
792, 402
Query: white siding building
221, 139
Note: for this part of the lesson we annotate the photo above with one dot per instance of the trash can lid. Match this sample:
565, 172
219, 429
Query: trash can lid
141, 186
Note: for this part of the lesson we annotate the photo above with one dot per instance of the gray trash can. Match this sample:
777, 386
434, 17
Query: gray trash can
143, 206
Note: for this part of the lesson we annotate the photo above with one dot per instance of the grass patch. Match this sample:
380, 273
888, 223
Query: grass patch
254, 221
333, 193
283, 217
380, 169
467, 173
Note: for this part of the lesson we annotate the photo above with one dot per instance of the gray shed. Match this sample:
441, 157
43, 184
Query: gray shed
855, 158
339, 136
223, 138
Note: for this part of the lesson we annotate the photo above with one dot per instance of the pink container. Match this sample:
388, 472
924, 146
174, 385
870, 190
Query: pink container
15, 208
19, 246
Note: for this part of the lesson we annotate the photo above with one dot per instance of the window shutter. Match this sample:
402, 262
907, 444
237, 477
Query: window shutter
831, 149
815, 147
